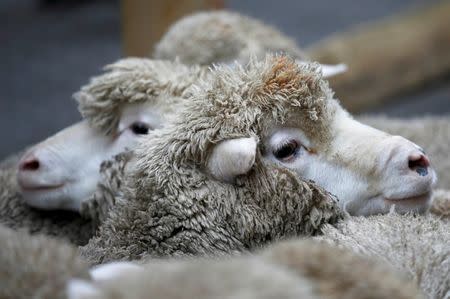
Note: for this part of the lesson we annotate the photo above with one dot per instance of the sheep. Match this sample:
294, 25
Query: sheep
291, 269
222, 136
40, 267
37, 266
133, 97
415, 245
172, 204
130, 91
230, 37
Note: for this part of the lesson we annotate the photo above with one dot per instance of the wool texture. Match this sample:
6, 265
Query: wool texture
172, 206
134, 80
230, 37
36, 266
417, 245
291, 269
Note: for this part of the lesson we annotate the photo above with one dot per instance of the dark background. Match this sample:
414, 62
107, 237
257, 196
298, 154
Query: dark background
48, 49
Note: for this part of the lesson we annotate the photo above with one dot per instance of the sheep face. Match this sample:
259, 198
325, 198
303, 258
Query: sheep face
62, 171
310, 133
132, 98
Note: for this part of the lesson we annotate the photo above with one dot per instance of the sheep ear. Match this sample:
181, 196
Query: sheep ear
113, 270
330, 70
231, 158
82, 289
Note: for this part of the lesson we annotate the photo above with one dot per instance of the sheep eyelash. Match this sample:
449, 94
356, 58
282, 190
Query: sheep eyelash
286, 142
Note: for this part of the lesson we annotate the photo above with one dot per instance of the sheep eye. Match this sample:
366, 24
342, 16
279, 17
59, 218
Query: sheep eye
286, 151
140, 128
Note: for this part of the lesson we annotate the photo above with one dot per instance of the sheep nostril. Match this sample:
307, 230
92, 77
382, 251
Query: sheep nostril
419, 164
30, 165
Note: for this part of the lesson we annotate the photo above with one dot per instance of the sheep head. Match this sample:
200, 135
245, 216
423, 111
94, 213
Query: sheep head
285, 112
133, 97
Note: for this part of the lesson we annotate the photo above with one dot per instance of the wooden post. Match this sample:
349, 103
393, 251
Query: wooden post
389, 57
145, 21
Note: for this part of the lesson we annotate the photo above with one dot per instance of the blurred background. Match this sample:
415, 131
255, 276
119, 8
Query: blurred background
51, 48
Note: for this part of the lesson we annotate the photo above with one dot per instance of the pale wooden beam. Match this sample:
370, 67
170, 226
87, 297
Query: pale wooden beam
145, 21
389, 57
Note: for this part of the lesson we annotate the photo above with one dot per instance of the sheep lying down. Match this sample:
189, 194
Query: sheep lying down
39, 267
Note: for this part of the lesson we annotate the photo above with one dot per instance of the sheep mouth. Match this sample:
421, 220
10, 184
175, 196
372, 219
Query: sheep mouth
41, 188
412, 200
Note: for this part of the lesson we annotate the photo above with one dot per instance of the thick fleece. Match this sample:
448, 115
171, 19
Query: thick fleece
36, 266
294, 269
134, 80
415, 245
441, 203
229, 37
171, 206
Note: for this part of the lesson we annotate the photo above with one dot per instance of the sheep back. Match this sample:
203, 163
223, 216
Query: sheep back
230, 37
414, 244
36, 266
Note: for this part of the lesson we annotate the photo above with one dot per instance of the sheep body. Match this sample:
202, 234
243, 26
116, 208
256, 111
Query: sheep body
36, 266
230, 37
415, 245
292, 269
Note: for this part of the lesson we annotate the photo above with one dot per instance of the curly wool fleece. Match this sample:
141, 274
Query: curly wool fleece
36, 266
417, 245
171, 206
230, 37
134, 80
